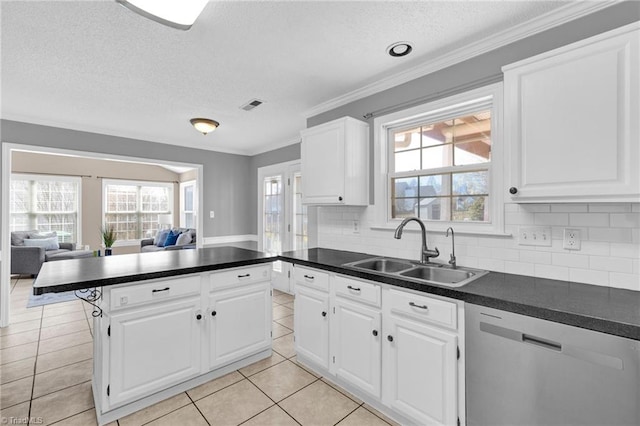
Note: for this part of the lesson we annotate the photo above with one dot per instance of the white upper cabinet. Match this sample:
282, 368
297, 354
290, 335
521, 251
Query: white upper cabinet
335, 163
572, 121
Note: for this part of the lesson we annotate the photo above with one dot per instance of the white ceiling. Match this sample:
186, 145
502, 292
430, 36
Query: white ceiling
97, 66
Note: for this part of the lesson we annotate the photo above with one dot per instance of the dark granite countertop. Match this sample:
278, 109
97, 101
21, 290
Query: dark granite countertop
604, 309
77, 274
608, 310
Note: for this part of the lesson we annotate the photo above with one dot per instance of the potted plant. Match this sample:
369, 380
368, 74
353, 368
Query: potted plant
108, 238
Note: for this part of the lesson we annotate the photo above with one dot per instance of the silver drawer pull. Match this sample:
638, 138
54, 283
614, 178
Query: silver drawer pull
353, 288
310, 277
244, 276
418, 306
158, 290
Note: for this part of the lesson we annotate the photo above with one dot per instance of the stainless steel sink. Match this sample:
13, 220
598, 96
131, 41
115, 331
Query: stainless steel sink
440, 275
433, 273
383, 265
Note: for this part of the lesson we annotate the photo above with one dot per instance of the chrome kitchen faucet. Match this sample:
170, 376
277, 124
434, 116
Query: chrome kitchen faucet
426, 254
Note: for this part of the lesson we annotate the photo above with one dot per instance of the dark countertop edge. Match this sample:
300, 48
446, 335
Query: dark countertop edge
611, 327
616, 328
147, 276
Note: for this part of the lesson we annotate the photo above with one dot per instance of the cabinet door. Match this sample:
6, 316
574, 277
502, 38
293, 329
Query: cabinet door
356, 337
571, 121
153, 348
420, 367
240, 323
322, 156
311, 323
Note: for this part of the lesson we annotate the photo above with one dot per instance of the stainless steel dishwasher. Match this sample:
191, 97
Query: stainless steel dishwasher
527, 371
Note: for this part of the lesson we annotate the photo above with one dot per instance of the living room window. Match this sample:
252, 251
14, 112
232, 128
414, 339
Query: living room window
46, 204
132, 208
436, 161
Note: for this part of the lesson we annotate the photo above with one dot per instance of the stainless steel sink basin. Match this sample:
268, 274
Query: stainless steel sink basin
439, 275
433, 273
383, 265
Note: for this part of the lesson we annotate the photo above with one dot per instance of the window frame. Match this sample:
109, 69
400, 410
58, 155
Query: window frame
183, 211
119, 182
487, 97
52, 178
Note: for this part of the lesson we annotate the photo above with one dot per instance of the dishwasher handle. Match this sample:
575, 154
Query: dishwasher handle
519, 336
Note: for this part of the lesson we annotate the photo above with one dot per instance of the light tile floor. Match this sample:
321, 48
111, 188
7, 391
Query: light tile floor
45, 375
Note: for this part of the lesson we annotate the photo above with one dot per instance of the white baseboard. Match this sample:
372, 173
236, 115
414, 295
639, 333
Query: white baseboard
229, 239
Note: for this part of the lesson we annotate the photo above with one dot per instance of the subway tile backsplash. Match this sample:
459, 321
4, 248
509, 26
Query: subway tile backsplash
609, 254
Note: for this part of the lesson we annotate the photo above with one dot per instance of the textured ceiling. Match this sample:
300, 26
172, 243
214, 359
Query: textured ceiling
96, 66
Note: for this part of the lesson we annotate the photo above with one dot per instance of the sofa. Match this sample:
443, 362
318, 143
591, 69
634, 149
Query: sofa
27, 259
186, 239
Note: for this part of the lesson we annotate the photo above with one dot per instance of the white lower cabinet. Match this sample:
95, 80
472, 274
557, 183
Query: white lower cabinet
158, 338
356, 334
420, 365
311, 308
395, 349
152, 348
240, 323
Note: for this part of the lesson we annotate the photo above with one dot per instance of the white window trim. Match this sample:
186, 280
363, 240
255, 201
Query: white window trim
105, 182
77, 180
431, 110
184, 185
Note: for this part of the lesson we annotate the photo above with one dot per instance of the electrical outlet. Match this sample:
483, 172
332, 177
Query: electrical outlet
211, 214
571, 240
356, 227
534, 236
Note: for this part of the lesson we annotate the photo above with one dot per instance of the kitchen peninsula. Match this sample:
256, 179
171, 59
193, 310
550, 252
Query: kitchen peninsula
169, 321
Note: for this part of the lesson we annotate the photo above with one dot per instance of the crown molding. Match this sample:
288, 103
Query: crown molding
534, 26
272, 147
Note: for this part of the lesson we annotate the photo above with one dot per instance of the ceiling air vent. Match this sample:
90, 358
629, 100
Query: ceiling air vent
251, 105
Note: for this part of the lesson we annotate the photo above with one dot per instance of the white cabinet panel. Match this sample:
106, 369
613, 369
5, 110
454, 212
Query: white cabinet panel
335, 163
420, 365
153, 348
356, 334
571, 121
240, 323
311, 322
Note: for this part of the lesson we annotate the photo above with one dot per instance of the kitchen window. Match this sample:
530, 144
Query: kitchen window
46, 203
438, 162
132, 208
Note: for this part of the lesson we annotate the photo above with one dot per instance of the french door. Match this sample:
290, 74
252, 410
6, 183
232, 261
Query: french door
282, 219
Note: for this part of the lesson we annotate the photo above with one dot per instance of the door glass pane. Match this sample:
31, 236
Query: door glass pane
273, 204
300, 239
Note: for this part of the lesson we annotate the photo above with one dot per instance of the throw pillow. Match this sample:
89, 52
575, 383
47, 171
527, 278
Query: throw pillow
45, 243
183, 239
162, 236
18, 237
172, 237
37, 235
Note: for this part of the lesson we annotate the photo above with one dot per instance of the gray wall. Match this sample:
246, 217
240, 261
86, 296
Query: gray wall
486, 67
227, 177
281, 155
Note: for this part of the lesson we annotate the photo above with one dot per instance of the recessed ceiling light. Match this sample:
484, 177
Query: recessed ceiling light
400, 48
204, 125
177, 14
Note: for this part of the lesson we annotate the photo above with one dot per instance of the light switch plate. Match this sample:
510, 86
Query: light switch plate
534, 236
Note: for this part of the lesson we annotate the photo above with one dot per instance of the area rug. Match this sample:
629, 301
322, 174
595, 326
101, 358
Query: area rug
49, 298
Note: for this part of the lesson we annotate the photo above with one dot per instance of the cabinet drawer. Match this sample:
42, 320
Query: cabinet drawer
154, 291
312, 278
423, 308
357, 290
240, 276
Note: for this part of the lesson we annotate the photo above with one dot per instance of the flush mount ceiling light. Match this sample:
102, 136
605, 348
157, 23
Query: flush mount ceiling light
177, 14
204, 125
400, 48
